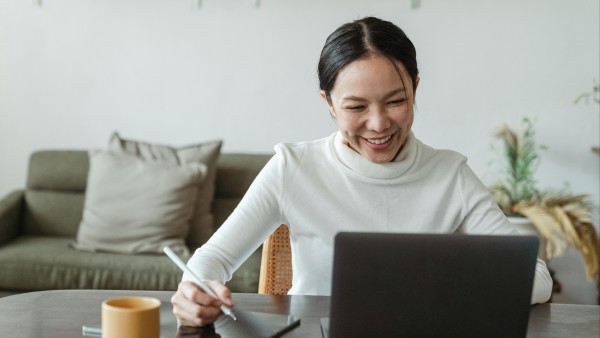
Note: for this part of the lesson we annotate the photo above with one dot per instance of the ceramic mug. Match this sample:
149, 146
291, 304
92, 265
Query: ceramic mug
131, 317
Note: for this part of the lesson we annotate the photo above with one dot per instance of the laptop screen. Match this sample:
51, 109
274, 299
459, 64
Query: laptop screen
431, 285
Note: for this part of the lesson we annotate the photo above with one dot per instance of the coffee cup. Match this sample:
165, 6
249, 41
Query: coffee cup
131, 317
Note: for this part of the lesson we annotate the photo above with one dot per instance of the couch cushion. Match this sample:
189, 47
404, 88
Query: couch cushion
11, 208
64, 170
55, 191
44, 263
237, 171
136, 206
207, 153
32, 263
223, 207
52, 212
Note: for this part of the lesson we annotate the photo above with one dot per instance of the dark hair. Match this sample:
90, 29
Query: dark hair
360, 38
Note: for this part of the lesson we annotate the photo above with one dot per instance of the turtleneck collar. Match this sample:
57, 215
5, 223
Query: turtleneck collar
363, 167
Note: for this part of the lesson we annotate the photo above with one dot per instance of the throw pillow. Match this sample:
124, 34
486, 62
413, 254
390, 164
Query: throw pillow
201, 227
136, 206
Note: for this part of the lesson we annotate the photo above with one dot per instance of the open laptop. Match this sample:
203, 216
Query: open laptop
431, 285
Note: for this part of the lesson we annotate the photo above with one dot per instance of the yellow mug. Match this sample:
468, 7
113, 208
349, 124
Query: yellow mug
131, 317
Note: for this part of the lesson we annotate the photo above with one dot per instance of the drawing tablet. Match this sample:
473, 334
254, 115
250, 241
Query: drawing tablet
248, 324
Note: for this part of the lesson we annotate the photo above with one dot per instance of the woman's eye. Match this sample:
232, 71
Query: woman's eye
355, 108
397, 102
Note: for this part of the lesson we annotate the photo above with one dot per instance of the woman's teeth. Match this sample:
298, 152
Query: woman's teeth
380, 140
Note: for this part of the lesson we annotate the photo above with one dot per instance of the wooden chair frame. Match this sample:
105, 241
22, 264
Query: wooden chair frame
276, 263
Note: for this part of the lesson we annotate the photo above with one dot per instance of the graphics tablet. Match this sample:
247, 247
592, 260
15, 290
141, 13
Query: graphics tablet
248, 324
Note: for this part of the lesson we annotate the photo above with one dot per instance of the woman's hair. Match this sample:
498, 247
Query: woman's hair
360, 38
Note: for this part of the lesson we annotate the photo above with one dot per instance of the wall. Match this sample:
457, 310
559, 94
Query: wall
73, 71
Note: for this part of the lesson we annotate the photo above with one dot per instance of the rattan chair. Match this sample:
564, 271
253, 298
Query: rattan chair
276, 263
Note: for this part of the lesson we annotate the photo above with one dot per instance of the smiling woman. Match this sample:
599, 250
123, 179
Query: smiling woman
372, 107
373, 175
370, 92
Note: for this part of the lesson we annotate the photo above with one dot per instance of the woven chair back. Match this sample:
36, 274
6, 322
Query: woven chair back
276, 264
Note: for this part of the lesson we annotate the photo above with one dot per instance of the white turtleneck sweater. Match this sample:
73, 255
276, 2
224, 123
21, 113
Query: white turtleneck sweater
322, 187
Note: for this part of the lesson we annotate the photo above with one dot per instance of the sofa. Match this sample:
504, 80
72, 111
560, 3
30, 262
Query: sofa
39, 223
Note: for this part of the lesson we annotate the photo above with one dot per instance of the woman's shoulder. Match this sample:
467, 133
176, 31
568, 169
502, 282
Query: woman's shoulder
305, 148
446, 156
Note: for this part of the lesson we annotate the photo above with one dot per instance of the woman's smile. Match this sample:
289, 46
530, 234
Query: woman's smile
379, 141
372, 104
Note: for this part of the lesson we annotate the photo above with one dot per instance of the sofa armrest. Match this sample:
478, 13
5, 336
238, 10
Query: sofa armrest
10, 214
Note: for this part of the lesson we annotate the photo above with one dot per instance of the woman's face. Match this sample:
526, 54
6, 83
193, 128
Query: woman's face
373, 107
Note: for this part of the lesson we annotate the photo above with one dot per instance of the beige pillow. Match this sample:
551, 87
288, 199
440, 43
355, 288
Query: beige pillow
136, 206
207, 153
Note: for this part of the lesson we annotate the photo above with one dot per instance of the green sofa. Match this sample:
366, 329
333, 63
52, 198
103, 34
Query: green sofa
38, 223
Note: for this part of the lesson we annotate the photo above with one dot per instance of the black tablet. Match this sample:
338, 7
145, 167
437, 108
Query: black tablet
249, 324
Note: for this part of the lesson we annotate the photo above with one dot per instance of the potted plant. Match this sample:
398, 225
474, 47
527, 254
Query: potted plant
561, 219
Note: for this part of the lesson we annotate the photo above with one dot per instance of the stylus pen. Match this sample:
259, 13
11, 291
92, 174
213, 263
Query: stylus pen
197, 280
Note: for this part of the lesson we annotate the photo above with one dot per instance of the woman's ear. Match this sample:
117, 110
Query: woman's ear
329, 105
324, 96
417, 80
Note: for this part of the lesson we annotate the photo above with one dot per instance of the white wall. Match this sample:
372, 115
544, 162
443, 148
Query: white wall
73, 71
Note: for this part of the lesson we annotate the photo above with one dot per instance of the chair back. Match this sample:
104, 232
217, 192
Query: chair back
276, 264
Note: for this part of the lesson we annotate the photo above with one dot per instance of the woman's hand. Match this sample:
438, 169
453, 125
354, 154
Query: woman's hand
193, 307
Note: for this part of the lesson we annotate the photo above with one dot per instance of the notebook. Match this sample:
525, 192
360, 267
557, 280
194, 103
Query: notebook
430, 285
249, 324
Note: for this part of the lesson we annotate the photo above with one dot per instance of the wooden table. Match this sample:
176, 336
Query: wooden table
62, 313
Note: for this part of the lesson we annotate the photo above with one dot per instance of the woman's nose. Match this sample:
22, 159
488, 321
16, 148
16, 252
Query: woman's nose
378, 120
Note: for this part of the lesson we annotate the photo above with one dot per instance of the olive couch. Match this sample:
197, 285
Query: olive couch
39, 223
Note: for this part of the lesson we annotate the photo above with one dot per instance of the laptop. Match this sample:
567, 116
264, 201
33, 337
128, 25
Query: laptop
430, 285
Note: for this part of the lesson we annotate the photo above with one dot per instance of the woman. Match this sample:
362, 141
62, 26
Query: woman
371, 175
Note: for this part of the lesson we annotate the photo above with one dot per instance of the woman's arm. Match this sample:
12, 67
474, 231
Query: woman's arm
254, 219
483, 216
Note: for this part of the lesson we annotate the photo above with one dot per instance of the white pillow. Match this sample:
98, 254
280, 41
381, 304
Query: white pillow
207, 153
136, 206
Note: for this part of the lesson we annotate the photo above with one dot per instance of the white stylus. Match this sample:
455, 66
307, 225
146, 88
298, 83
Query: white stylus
204, 287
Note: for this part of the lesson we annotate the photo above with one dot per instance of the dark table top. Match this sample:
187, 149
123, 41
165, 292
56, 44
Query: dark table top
62, 313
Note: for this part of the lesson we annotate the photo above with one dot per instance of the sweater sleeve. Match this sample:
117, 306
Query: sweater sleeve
483, 216
257, 215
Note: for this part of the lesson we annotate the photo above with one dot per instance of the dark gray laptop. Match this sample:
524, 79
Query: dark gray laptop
424, 285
